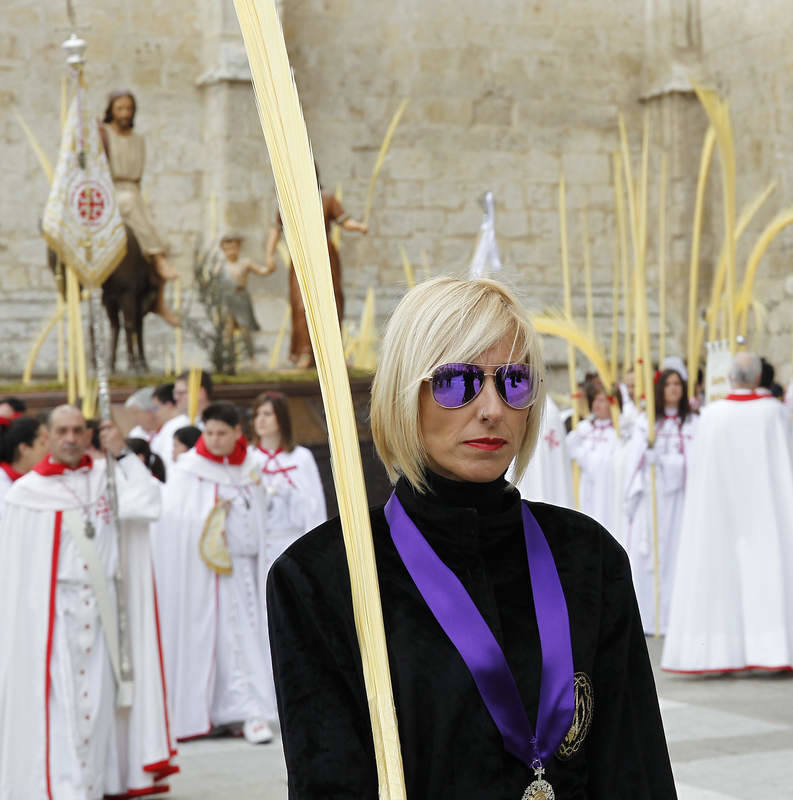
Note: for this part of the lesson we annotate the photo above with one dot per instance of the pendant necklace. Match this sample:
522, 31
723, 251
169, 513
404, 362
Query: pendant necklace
88, 525
539, 788
462, 622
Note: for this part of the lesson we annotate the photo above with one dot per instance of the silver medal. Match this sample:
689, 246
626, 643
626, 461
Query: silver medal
539, 789
90, 530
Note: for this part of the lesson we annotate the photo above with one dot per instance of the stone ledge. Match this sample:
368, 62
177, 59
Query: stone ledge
231, 67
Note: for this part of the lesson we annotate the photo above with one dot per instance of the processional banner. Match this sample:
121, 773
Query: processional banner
82, 222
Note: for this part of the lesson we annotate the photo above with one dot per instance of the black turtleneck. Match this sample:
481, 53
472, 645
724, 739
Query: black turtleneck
451, 748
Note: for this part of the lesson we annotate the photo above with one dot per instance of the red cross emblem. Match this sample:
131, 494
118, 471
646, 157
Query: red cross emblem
91, 203
550, 437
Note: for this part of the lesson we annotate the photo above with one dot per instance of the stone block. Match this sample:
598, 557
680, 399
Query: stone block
401, 194
512, 224
465, 222
446, 194
493, 108
587, 168
429, 220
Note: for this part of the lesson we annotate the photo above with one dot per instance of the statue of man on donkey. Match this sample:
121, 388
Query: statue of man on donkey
137, 284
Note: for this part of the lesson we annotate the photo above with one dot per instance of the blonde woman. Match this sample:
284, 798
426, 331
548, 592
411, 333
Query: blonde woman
516, 649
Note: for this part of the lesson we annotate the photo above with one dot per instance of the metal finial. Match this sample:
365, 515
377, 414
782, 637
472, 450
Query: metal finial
75, 50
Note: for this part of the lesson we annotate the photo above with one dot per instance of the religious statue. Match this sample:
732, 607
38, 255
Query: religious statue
300, 352
125, 151
232, 272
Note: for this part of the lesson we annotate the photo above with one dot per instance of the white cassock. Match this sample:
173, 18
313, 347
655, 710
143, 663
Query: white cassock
139, 432
672, 450
144, 730
295, 497
217, 653
594, 444
162, 442
732, 602
61, 729
548, 478
8, 475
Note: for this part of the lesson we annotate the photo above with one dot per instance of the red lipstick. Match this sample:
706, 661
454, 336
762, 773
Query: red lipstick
486, 443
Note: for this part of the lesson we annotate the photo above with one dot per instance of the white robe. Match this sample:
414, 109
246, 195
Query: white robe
162, 443
144, 730
548, 477
5, 484
594, 444
214, 630
732, 602
672, 449
57, 692
295, 497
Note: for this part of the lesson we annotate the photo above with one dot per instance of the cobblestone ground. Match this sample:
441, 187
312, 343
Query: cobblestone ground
730, 738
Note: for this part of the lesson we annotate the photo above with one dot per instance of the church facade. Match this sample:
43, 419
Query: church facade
503, 96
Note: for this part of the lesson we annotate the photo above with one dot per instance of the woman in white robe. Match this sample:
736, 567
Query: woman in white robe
595, 446
295, 497
674, 434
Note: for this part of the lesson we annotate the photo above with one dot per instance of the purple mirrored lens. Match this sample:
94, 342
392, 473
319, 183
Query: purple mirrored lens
453, 385
516, 384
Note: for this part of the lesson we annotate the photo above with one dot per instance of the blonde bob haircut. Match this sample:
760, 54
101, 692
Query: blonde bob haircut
438, 322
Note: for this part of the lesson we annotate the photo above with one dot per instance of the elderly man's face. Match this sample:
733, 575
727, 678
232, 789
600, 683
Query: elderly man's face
68, 436
478, 441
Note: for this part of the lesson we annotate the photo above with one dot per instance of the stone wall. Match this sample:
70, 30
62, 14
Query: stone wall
748, 58
503, 95
196, 111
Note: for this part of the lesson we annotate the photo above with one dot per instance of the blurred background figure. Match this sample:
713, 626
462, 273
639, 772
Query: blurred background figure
675, 427
144, 410
548, 478
150, 460
594, 444
184, 439
22, 445
732, 604
295, 497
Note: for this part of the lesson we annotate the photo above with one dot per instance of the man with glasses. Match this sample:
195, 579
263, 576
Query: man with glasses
163, 444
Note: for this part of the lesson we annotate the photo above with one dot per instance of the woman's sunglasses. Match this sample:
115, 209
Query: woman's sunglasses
455, 385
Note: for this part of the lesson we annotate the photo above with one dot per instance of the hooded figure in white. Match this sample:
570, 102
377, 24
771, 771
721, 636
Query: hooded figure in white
732, 602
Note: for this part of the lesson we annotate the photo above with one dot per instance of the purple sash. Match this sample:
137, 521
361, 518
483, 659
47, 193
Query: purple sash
460, 619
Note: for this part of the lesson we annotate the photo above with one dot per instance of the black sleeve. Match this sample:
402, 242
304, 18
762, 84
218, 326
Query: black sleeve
627, 756
324, 718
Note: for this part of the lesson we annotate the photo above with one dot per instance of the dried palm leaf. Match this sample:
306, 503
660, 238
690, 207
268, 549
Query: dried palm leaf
301, 212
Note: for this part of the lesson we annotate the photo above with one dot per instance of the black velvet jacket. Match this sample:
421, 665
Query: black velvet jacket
451, 748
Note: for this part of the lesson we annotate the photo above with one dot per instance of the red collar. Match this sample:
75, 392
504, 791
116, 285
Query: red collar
742, 398
47, 467
237, 455
10, 471
6, 421
270, 453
